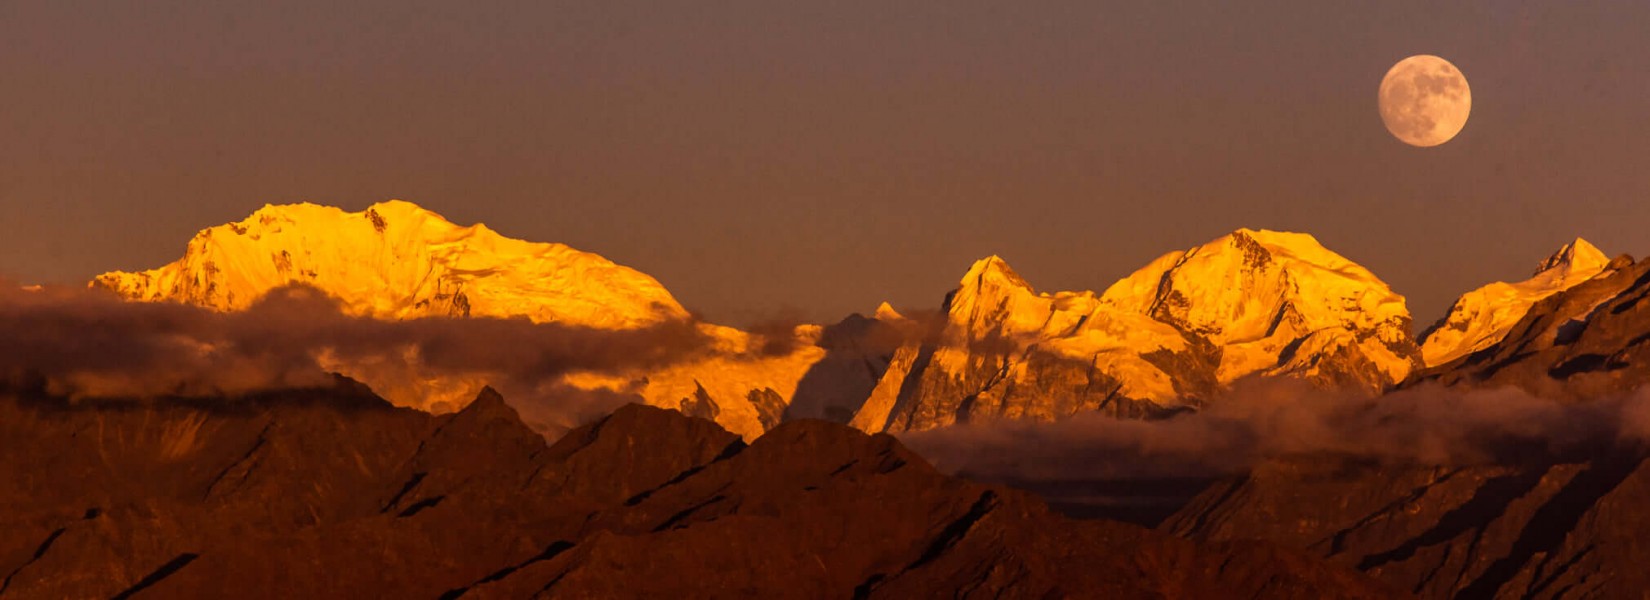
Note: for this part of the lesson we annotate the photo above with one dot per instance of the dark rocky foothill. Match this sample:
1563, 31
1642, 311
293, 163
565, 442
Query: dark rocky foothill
1559, 530
335, 493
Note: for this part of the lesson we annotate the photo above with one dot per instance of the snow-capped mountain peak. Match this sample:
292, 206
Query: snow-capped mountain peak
1578, 256
1482, 317
1162, 339
993, 270
397, 260
1256, 292
887, 312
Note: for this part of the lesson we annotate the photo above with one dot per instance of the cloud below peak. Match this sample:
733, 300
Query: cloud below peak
88, 344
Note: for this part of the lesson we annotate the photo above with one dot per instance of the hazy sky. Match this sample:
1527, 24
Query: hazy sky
762, 156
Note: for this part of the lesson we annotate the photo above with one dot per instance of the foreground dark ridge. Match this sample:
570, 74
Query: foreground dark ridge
1566, 530
334, 493
1560, 528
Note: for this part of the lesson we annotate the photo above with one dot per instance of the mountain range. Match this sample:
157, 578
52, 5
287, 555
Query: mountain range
332, 492
1167, 338
771, 473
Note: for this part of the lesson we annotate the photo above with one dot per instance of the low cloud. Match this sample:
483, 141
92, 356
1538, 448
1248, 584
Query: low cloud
90, 344
1267, 419
775, 335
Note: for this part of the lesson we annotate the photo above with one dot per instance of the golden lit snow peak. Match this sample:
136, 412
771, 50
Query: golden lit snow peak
397, 260
1252, 293
1483, 317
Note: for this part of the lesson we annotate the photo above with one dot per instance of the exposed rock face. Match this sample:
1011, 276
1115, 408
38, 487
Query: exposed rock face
1556, 530
1586, 342
1161, 340
335, 493
1482, 317
396, 260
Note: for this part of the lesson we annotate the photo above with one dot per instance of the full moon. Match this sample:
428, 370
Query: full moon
1425, 100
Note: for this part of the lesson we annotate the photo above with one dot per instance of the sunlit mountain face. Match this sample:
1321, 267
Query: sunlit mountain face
1483, 317
396, 261
419, 407
1167, 338
778, 299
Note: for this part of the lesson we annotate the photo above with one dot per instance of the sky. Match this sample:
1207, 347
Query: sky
765, 158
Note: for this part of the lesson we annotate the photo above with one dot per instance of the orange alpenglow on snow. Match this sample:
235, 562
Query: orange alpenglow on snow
396, 260
1482, 317
1166, 338
1161, 340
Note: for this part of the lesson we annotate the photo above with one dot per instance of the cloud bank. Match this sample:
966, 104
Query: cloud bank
90, 344
1260, 420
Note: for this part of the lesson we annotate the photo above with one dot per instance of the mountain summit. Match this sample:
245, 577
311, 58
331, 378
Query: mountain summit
1163, 339
396, 260
1482, 317
1256, 294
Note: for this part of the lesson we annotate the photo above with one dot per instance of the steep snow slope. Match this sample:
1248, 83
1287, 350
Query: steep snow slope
1482, 317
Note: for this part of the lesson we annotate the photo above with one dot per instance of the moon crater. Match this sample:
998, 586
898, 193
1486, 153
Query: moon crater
1425, 100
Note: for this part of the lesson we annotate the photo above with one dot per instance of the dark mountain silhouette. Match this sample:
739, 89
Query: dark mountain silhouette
335, 493
1531, 531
